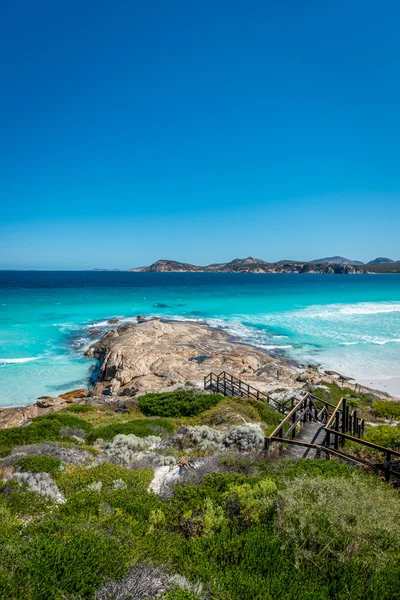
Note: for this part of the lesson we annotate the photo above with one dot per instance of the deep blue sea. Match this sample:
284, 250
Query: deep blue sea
47, 319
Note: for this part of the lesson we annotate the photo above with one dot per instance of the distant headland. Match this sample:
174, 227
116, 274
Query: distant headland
328, 265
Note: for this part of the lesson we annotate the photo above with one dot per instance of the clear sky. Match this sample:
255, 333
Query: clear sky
198, 131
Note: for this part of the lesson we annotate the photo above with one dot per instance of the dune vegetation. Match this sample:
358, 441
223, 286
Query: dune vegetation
79, 518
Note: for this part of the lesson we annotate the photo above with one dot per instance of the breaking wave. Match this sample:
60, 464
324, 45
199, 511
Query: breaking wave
16, 361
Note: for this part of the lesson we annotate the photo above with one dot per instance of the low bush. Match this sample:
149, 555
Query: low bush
78, 478
79, 408
21, 501
321, 520
139, 427
39, 464
61, 451
45, 428
181, 403
386, 409
40, 483
334, 393
122, 449
383, 435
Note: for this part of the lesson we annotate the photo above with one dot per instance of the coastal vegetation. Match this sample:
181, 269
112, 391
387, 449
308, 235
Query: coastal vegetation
77, 521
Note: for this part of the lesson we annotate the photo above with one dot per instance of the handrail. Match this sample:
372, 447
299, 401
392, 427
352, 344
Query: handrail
364, 442
297, 442
333, 415
323, 401
227, 384
288, 416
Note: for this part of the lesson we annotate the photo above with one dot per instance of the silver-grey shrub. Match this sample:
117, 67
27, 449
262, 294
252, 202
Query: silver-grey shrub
74, 456
160, 460
246, 438
203, 437
40, 483
144, 582
122, 448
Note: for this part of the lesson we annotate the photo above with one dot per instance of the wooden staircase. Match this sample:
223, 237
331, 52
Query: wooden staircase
312, 428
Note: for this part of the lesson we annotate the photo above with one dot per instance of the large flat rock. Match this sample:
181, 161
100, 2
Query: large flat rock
157, 355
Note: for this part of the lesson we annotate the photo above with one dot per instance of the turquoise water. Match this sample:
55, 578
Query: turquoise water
47, 319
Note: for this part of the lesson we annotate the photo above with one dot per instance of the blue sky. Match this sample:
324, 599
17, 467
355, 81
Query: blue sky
198, 131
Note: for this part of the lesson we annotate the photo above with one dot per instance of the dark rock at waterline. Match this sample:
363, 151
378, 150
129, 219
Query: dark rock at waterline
95, 332
113, 321
74, 394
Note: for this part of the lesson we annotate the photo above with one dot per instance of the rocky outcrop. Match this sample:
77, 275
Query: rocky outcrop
157, 355
15, 416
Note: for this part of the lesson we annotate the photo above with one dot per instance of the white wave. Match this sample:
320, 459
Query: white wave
15, 361
383, 342
333, 311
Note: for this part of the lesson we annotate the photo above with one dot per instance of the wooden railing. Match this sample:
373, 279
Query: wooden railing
228, 385
305, 410
340, 425
341, 422
344, 426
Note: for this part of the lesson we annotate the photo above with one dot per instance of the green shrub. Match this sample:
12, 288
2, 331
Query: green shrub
74, 566
181, 403
140, 427
284, 470
39, 464
335, 392
20, 501
386, 409
383, 435
79, 408
349, 519
77, 478
45, 428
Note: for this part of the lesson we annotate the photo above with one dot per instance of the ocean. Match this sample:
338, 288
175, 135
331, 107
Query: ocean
347, 323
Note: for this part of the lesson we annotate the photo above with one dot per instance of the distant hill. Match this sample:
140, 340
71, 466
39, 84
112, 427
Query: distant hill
165, 266
391, 267
337, 260
381, 260
329, 265
250, 265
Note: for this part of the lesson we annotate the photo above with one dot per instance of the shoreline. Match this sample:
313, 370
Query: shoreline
384, 388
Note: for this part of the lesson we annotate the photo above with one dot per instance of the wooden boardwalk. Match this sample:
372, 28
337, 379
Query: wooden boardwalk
311, 433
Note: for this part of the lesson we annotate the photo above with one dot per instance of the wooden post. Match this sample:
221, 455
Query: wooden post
344, 406
337, 428
294, 428
328, 442
355, 425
